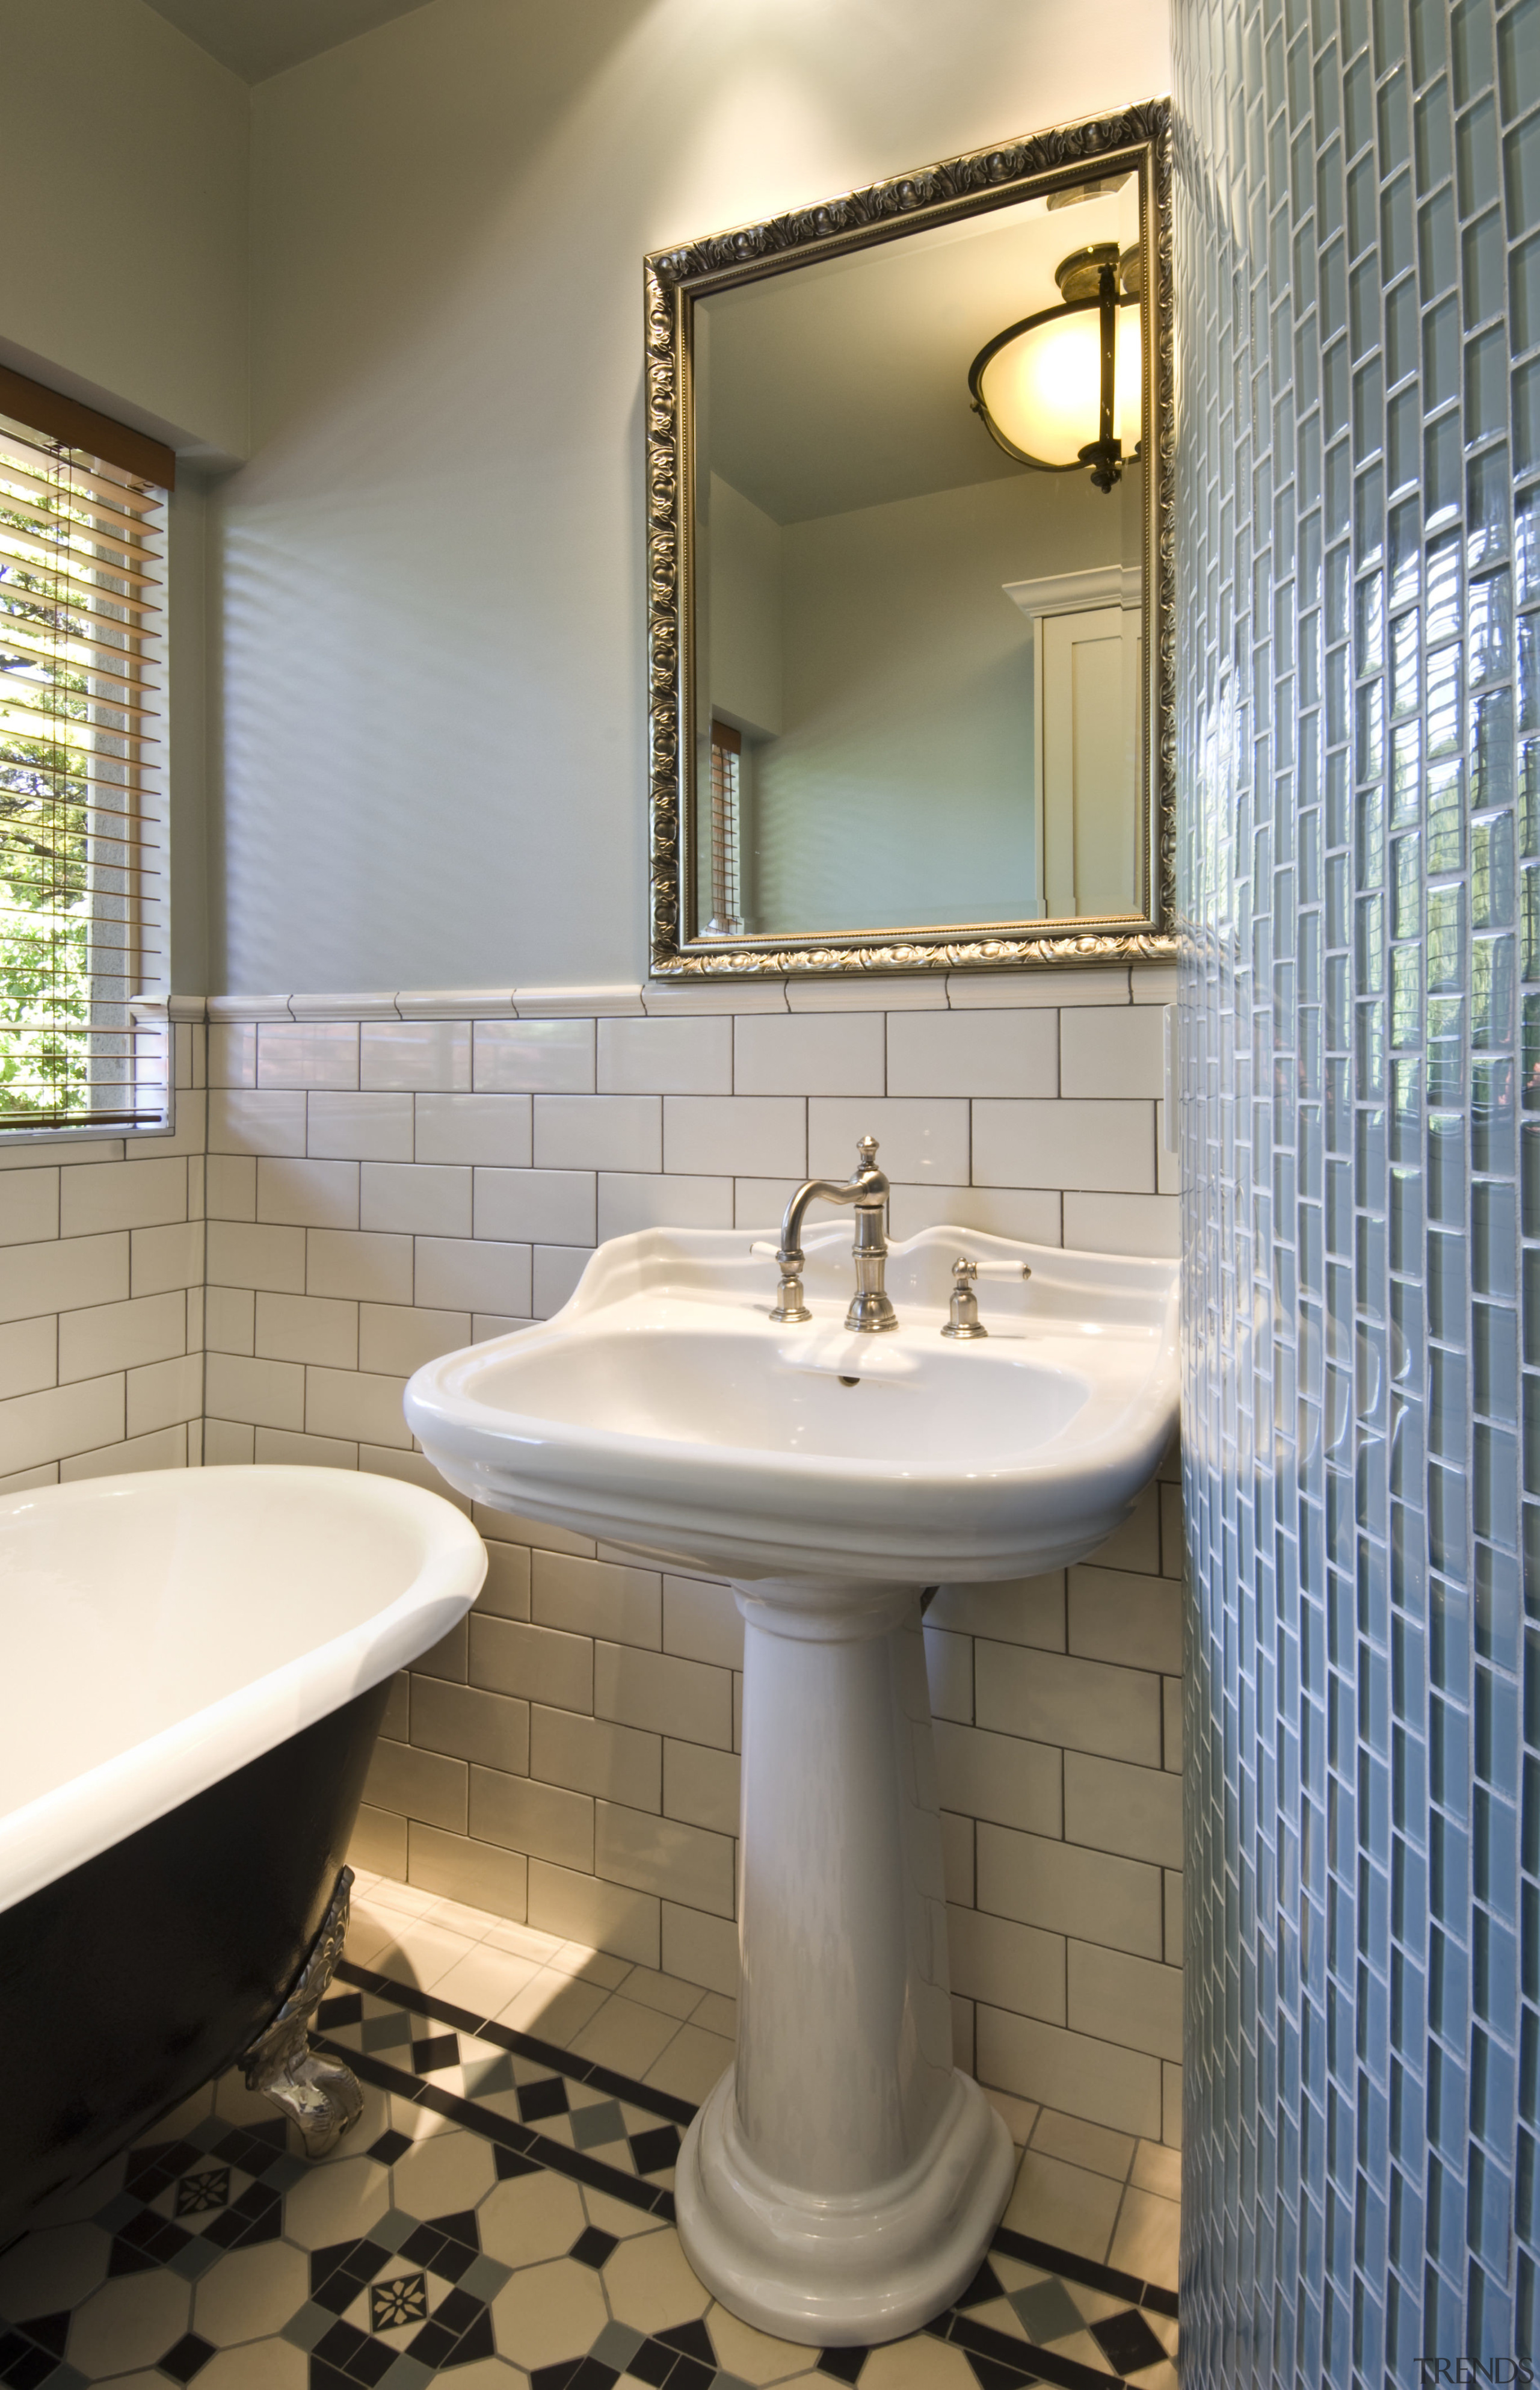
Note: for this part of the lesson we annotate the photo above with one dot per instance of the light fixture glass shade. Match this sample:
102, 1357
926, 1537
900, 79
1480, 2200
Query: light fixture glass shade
1043, 390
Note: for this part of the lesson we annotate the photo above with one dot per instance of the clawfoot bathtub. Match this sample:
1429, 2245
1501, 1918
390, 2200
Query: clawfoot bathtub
193, 1666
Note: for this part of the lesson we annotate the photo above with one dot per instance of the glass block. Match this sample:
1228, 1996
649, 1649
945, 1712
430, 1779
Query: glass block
1489, 482
1492, 1016
1438, 250
1405, 547
1441, 572
1492, 749
1493, 1243
1486, 353
1526, 417
1526, 546
1383, 208
1430, 39
1472, 29
1490, 628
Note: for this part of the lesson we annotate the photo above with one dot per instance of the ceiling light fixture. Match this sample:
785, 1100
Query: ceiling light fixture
1064, 388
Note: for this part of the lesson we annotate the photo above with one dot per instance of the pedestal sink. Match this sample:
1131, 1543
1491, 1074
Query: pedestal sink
842, 2181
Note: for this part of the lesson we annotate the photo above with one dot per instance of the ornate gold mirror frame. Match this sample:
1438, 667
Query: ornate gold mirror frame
1138, 137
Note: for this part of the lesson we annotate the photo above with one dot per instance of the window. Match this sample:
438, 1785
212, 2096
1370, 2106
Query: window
727, 795
83, 1043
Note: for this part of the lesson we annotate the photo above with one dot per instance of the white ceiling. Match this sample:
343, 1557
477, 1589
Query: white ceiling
845, 383
258, 38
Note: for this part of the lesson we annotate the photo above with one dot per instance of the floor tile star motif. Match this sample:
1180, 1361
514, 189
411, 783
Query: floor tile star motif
200, 2194
364, 2313
401, 2301
177, 2209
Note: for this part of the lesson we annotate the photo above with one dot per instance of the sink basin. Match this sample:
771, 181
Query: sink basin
841, 2182
663, 1409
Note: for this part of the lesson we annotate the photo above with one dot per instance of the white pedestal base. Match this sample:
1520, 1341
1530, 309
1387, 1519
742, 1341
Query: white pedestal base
854, 2270
841, 2184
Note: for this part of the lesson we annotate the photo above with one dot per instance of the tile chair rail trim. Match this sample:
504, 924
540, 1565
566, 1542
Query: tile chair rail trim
1088, 2272
877, 991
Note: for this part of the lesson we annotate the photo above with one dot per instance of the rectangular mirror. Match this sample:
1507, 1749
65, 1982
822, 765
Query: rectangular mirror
909, 506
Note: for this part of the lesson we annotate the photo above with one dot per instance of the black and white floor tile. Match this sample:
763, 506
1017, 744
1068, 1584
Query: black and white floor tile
501, 2216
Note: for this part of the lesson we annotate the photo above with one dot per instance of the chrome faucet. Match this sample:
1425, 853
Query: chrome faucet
867, 1188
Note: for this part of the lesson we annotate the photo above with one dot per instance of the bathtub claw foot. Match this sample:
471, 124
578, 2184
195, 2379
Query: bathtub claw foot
316, 2091
318, 2094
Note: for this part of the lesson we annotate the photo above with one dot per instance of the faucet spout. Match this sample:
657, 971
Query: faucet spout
867, 1189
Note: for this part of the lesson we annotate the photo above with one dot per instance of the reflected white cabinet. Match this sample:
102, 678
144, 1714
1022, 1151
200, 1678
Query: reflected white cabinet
1086, 655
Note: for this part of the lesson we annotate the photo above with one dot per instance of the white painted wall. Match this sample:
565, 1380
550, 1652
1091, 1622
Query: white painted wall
123, 272
743, 662
433, 591
901, 790
123, 282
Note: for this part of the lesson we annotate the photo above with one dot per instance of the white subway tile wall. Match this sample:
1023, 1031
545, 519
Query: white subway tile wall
102, 1295
380, 1191
571, 1761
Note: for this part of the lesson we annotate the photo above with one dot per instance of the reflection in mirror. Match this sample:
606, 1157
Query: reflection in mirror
918, 685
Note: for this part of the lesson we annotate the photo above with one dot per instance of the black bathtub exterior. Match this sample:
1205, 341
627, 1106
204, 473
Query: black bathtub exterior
134, 1979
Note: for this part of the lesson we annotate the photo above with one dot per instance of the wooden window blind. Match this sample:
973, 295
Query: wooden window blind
83, 753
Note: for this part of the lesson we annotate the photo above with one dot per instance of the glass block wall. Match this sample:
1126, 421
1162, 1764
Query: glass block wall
1358, 305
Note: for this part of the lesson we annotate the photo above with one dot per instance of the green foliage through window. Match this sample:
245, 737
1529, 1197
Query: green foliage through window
81, 845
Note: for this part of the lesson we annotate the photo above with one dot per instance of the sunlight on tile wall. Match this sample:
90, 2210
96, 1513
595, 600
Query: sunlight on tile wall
1358, 261
101, 1297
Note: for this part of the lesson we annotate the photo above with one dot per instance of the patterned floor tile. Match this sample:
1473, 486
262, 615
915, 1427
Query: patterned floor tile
532, 2217
917, 2364
649, 2284
55, 2269
627, 2035
559, 2005
335, 2202
692, 2063
452, 2170
750, 2355
250, 2295
550, 2314
1147, 2234
501, 2216
129, 2322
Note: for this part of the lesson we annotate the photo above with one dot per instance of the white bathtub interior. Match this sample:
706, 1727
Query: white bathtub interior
159, 1630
